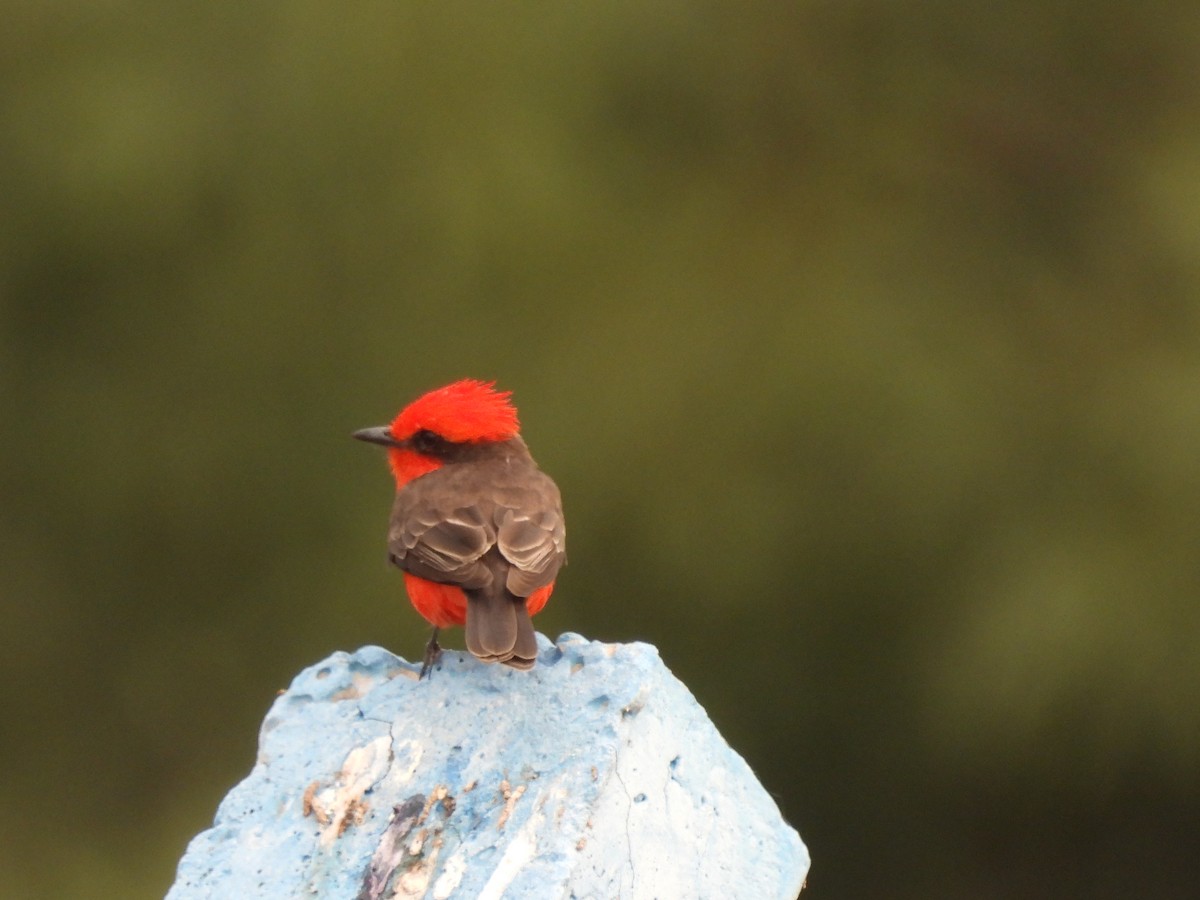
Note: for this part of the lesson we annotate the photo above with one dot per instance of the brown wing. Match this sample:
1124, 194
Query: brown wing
531, 534
435, 535
444, 524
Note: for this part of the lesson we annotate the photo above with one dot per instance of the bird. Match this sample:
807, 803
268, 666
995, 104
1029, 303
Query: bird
476, 527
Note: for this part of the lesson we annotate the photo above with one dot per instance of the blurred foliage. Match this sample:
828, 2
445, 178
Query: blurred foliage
863, 339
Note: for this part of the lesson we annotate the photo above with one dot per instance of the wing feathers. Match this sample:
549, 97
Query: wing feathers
436, 535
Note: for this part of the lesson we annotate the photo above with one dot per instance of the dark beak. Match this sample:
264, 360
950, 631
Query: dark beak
380, 435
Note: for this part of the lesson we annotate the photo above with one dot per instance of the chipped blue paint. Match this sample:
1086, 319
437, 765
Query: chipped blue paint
595, 775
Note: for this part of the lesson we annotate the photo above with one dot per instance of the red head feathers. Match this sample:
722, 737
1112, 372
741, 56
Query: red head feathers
467, 410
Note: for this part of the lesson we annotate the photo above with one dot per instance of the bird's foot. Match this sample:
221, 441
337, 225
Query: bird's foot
433, 654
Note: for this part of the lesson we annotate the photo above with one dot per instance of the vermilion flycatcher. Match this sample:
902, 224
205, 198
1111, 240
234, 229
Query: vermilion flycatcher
476, 526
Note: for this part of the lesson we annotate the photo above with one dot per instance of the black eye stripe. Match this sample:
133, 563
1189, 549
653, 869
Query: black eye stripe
425, 441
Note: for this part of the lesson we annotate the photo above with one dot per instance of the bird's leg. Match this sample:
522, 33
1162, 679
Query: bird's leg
433, 652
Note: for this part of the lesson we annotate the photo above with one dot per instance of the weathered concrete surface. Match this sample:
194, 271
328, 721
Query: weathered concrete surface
595, 775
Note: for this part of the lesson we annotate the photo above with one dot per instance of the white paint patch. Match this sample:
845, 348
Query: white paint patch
406, 756
363, 768
521, 849
452, 875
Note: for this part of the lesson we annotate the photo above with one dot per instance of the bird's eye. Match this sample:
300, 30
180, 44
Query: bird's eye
425, 441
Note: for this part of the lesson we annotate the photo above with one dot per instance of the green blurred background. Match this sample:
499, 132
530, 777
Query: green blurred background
862, 338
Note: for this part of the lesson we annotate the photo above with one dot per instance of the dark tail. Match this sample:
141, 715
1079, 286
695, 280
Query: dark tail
499, 629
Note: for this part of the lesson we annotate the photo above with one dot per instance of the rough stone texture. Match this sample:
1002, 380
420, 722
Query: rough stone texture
595, 775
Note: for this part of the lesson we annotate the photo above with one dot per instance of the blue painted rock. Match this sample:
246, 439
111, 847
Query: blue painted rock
595, 775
